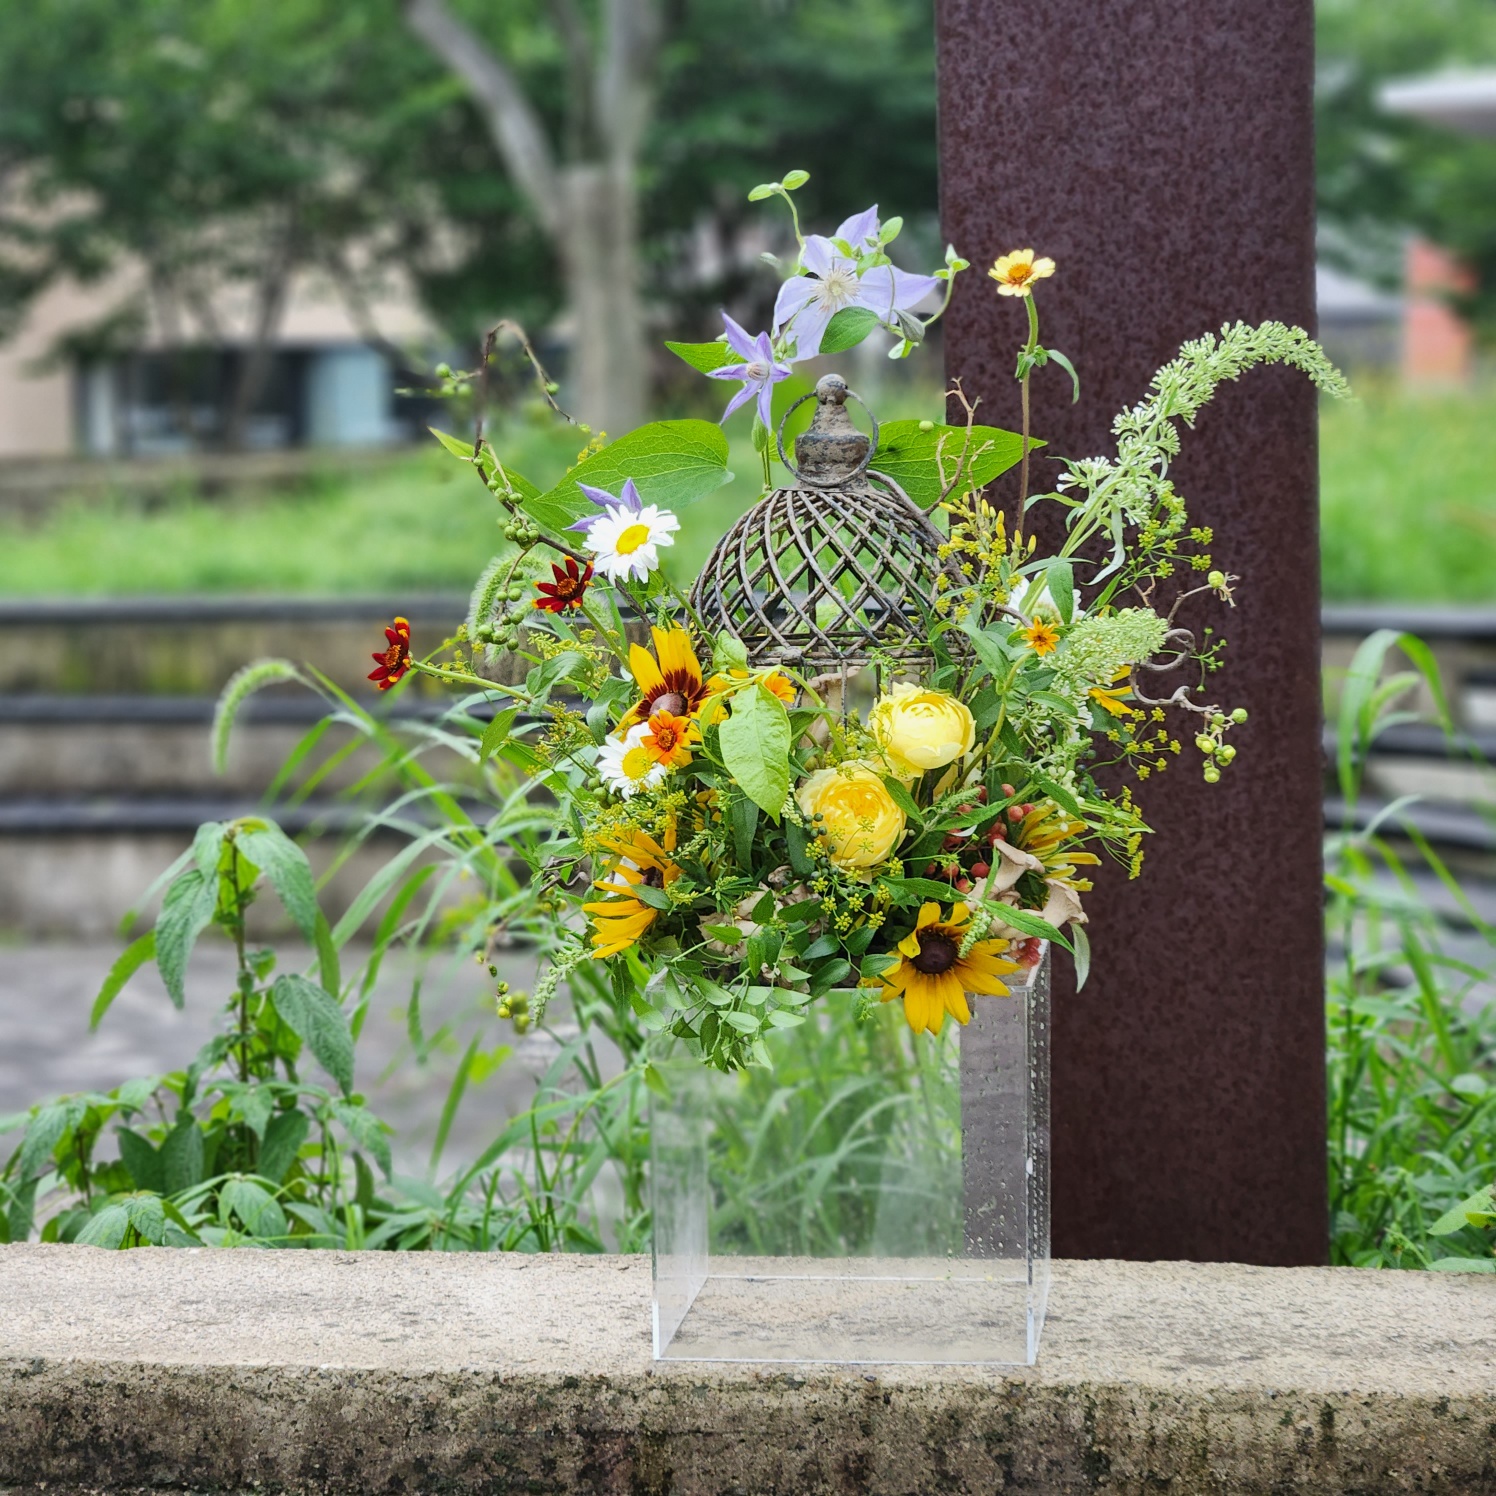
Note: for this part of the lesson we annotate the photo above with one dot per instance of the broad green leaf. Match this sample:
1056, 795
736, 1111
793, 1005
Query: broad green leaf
704, 357
496, 731
283, 1139
47, 1129
316, 1019
1062, 587
1478, 1210
142, 1160
207, 846
755, 743
366, 1130
671, 463
290, 875
907, 455
257, 1209
744, 824
130, 960
744, 1023
182, 1156
848, 328
1463, 1265
107, 1229
185, 914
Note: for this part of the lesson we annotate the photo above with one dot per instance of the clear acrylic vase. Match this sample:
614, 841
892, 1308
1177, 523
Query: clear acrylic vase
873, 1197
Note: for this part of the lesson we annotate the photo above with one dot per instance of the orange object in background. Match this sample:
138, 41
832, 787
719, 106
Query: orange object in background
1438, 348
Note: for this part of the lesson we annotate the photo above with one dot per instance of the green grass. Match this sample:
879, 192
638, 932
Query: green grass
1408, 515
1408, 497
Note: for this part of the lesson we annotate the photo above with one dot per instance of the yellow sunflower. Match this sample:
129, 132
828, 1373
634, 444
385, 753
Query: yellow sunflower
619, 921
1044, 833
669, 680
933, 977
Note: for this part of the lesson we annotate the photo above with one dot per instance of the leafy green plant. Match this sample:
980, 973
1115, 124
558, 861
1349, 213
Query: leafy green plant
244, 1144
1411, 1059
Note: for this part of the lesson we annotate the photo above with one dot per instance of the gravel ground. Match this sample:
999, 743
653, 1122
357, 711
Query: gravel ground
47, 991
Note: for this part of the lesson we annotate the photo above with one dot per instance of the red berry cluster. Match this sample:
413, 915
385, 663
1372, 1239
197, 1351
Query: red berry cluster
965, 860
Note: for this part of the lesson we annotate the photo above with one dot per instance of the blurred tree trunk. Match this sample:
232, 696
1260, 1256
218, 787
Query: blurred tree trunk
588, 205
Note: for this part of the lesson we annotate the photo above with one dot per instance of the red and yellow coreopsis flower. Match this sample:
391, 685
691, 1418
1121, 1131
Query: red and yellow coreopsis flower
392, 662
567, 590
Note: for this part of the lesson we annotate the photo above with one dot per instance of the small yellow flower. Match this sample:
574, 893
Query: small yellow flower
1109, 698
920, 730
859, 819
1042, 637
1016, 273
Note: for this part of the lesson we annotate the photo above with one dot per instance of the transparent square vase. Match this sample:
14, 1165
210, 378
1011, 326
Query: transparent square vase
875, 1196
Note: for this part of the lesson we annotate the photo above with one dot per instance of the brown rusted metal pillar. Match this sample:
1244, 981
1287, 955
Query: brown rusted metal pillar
1162, 154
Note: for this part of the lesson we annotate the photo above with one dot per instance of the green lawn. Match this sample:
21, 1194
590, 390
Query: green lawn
1409, 514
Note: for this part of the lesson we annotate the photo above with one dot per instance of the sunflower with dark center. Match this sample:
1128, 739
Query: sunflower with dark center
567, 590
670, 680
392, 662
932, 975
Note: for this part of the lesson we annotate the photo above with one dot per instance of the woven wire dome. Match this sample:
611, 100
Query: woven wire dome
834, 571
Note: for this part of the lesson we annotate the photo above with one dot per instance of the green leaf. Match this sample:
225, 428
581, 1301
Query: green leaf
907, 455
704, 357
1478, 1210
744, 1023
991, 650
1464, 1265
283, 1139
142, 1160
1029, 923
130, 960
182, 1156
496, 731
903, 799
366, 1130
763, 190
286, 867
671, 463
755, 744
316, 1019
47, 1129
744, 824
656, 898
848, 328
793, 179
1082, 944
185, 914
1061, 579
902, 890
1069, 368
107, 1229
256, 1207
207, 847
727, 934
328, 970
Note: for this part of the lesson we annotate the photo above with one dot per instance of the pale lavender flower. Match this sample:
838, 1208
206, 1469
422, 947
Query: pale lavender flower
759, 371
626, 501
806, 303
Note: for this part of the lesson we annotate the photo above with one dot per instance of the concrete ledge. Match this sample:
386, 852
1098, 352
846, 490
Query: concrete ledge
329, 1372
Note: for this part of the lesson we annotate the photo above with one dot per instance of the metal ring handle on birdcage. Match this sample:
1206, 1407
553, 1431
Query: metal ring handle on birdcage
840, 478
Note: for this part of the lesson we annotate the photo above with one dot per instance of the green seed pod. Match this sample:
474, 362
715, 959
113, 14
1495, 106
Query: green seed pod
1239, 715
1225, 754
1212, 774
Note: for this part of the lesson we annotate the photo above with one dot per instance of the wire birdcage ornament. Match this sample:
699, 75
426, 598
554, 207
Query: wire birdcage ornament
835, 572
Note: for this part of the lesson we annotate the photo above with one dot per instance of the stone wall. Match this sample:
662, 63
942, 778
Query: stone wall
322, 1372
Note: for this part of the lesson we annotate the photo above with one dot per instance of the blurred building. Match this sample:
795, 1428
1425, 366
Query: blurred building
1360, 326
78, 380
1438, 347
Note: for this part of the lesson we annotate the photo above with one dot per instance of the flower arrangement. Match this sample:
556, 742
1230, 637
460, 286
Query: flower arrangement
732, 837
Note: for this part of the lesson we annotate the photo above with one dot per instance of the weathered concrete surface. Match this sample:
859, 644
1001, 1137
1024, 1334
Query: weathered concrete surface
330, 1372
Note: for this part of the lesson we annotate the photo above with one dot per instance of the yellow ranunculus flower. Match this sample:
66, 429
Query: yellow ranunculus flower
919, 730
860, 821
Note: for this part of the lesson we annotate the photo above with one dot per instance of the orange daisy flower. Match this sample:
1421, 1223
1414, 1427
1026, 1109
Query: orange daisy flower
392, 662
669, 739
1042, 637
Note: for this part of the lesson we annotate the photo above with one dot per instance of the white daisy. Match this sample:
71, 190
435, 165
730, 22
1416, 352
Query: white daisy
627, 544
625, 765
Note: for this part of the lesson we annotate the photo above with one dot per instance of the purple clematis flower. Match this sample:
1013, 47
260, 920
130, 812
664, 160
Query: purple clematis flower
831, 284
759, 371
626, 501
